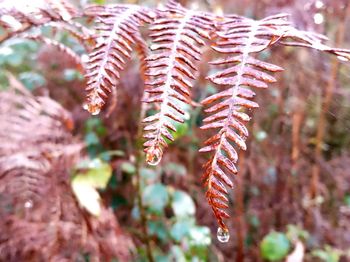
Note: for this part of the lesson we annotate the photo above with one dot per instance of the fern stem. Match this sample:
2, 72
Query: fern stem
239, 221
139, 161
143, 215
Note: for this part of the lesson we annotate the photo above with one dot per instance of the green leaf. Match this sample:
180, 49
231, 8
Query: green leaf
128, 168
274, 246
157, 228
254, 221
329, 254
118, 201
99, 2
347, 200
155, 197
107, 155
295, 232
176, 254
32, 80
97, 175
95, 124
72, 74
149, 175
92, 139
200, 236
175, 169
183, 204
181, 229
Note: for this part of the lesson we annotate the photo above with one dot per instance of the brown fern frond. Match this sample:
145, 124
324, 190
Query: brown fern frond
65, 9
296, 37
177, 36
81, 33
240, 38
40, 219
141, 48
19, 16
59, 46
114, 46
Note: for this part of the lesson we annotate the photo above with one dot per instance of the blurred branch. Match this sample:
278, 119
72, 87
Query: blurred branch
327, 99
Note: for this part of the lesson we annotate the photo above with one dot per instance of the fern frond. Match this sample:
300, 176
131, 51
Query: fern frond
177, 36
117, 25
18, 16
64, 9
241, 38
295, 37
40, 219
59, 46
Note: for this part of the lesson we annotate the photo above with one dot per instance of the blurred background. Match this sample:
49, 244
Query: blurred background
292, 195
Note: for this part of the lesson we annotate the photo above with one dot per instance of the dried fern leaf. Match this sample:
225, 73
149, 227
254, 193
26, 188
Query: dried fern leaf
296, 37
178, 35
40, 218
238, 39
20, 16
59, 46
115, 43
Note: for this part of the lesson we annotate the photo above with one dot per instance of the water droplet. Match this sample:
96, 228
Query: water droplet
93, 109
28, 204
223, 235
154, 155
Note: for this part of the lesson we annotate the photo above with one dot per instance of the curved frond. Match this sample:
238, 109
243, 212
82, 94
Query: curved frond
59, 46
117, 25
238, 40
177, 36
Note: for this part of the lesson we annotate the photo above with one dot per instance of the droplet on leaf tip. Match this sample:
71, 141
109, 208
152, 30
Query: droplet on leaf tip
223, 235
93, 109
154, 156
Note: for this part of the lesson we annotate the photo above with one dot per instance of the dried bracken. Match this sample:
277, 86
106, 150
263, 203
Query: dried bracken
239, 39
169, 71
242, 39
19, 16
177, 36
40, 217
59, 46
118, 27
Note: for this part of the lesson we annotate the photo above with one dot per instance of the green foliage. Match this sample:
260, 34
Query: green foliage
155, 197
32, 80
274, 246
187, 241
95, 173
347, 200
296, 232
183, 204
72, 74
128, 168
328, 254
174, 230
94, 132
91, 175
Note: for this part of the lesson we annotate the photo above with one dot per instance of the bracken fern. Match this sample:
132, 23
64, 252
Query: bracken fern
169, 70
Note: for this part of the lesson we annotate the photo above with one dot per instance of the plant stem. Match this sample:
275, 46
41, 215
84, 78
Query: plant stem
143, 215
139, 160
239, 210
